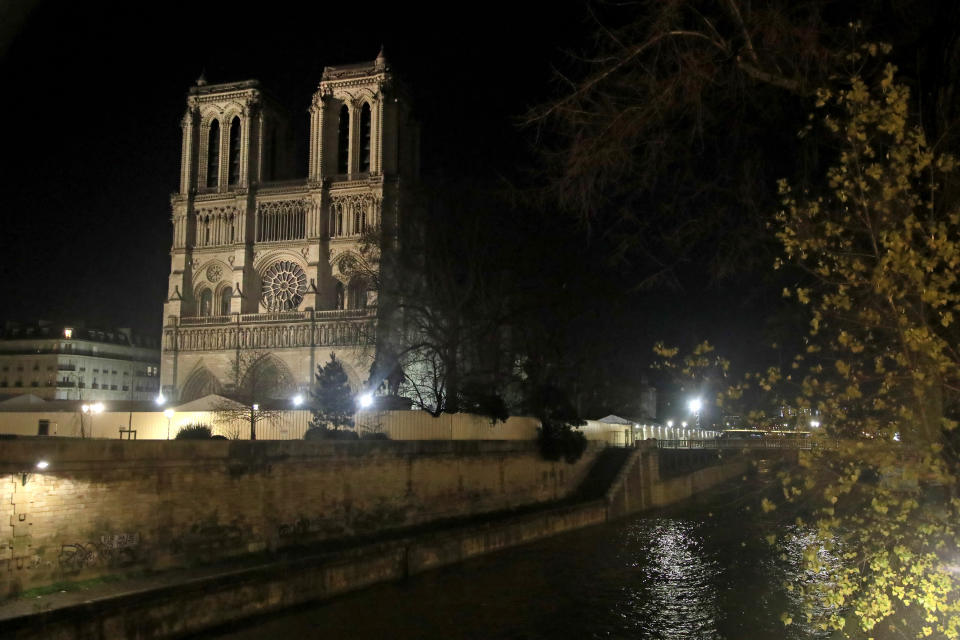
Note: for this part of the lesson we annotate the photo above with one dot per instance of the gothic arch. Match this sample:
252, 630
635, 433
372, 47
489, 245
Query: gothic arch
200, 383
268, 377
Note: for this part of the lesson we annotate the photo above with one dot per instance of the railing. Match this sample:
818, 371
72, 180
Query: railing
752, 443
200, 320
283, 184
66, 367
275, 316
278, 316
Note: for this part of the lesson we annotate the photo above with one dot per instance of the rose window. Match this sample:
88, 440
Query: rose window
214, 272
284, 284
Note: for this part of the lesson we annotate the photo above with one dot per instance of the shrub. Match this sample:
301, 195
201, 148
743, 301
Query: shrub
375, 435
194, 432
560, 440
323, 433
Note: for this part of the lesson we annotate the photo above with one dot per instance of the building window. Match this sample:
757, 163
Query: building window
340, 300
281, 220
43, 427
365, 137
358, 296
213, 155
225, 296
206, 303
234, 177
343, 140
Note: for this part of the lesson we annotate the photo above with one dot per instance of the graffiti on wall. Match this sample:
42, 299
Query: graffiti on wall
114, 550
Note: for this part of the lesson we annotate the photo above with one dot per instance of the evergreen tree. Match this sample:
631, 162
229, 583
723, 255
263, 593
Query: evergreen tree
333, 405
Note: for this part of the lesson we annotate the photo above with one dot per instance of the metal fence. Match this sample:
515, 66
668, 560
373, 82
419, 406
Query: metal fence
753, 443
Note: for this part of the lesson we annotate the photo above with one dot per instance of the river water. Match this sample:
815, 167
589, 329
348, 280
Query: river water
703, 570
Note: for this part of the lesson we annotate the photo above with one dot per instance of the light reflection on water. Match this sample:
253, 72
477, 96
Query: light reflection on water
689, 574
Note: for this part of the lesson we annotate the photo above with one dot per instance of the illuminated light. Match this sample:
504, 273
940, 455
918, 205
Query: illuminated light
669, 423
896, 437
168, 413
256, 407
683, 424
695, 405
814, 423
85, 408
160, 398
297, 400
96, 408
67, 333
43, 464
365, 400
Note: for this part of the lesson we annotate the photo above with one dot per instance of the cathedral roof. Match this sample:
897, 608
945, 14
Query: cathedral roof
204, 89
356, 69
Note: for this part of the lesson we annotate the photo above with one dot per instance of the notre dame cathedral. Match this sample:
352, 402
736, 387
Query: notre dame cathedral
254, 264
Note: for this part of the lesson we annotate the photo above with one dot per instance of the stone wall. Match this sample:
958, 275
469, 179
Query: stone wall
107, 507
283, 425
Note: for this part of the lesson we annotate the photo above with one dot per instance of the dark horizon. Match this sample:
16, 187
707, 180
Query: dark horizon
88, 214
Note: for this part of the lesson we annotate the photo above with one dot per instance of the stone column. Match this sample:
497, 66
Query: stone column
186, 152
317, 116
376, 162
245, 147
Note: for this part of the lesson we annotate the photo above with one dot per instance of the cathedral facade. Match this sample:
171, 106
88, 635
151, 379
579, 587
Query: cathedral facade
255, 280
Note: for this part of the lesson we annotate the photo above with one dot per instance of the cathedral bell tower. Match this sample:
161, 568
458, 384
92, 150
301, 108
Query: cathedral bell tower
257, 253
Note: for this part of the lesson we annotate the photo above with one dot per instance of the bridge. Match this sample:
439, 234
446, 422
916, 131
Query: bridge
805, 444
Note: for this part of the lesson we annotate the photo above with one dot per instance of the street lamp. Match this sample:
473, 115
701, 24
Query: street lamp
365, 400
91, 409
297, 400
160, 398
168, 414
695, 405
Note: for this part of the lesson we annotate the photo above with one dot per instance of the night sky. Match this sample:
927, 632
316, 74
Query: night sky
94, 93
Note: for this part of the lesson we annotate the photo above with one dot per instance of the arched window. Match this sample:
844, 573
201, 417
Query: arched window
232, 229
365, 137
343, 140
234, 176
340, 300
225, 296
358, 295
206, 230
206, 303
213, 155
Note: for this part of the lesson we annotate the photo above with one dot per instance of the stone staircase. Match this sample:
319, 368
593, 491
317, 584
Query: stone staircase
604, 471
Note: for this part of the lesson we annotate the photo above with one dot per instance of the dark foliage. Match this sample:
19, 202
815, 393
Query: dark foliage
194, 432
559, 440
333, 404
324, 433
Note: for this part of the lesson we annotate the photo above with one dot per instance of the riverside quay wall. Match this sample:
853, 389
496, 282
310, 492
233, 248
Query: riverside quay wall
100, 507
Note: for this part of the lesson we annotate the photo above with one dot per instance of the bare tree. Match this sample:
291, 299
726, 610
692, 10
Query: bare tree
666, 135
443, 306
256, 386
